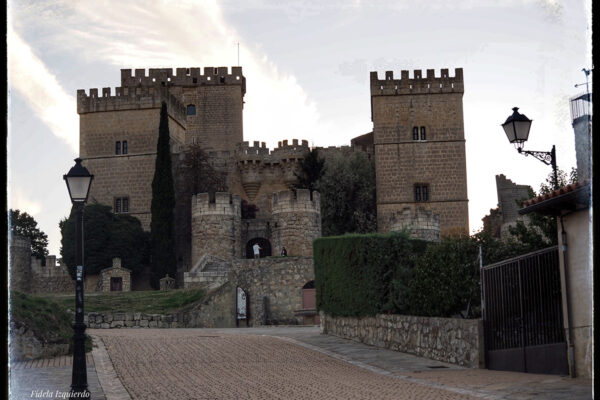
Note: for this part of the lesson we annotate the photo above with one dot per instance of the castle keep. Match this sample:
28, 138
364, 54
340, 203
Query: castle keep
419, 144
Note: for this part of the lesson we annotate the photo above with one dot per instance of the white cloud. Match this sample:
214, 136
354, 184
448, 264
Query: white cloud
183, 34
28, 76
19, 200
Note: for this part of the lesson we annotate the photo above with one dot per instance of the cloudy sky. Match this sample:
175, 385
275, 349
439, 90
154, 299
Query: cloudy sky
307, 67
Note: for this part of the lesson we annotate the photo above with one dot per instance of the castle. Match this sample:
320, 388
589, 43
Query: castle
417, 143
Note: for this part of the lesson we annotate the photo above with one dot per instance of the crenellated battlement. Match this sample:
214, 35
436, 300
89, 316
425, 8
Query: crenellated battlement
129, 98
418, 83
259, 153
298, 201
223, 203
183, 77
257, 150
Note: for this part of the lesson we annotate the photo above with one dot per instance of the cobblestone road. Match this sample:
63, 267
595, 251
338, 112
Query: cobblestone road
186, 364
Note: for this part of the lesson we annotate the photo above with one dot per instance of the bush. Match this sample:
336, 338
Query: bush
364, 275
354, 273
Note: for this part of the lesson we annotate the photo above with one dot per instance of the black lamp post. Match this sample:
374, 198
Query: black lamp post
79, 181
517, 128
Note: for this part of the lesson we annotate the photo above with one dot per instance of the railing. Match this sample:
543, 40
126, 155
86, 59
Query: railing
581, 106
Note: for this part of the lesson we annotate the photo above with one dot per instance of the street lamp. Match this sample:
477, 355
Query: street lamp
79, 181
517, 128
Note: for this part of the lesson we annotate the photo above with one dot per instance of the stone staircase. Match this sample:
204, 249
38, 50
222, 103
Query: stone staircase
209, 271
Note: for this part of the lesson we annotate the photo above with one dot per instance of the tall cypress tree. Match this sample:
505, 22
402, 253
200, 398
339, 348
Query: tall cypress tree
163, 202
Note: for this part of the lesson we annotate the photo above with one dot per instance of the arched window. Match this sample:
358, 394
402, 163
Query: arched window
423, 135
191, 109
416, 133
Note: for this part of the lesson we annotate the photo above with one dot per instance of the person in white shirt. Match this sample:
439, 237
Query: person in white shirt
256, 249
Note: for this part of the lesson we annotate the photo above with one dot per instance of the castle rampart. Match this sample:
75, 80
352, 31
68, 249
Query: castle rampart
130, 98
184, 77
296, 221
418, 84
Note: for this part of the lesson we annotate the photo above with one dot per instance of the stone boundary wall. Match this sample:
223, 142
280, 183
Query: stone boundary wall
133, 320
456, 341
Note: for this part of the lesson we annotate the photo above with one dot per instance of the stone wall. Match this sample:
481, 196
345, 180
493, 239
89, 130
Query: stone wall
216, 229
420, 224
20, 263
296, 221
435, 104
53, 277
457, 341
280, 281
132, 320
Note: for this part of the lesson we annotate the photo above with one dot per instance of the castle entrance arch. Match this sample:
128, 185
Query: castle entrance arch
265, 247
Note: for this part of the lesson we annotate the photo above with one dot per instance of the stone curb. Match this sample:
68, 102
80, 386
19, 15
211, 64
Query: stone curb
109, 380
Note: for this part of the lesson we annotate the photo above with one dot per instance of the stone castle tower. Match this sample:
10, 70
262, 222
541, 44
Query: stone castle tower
118, 133
419, 146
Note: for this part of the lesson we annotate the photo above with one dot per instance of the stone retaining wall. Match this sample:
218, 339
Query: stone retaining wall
457, 341
133, 320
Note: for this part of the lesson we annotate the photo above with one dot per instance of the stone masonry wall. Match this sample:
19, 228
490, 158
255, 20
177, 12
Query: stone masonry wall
216, 228
439, 161
420, 224
280, 280
457, 341
125, 175
51, 278
296, 222
20, 259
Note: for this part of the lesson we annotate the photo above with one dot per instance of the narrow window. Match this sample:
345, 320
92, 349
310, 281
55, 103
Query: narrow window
421, 192
423, 136
125, 204
191, 109
117, 205
124, 146
416, 133
118, 147
222, 79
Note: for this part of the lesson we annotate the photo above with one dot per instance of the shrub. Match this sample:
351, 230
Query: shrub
354, 273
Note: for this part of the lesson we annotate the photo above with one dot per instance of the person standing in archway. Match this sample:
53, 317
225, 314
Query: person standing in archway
283, 251
257, 250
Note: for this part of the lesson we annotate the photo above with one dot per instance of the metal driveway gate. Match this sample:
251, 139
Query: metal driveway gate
522, 314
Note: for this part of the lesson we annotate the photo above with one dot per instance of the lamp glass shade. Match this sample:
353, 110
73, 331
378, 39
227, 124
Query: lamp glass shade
517, 127
79, 181
79, 187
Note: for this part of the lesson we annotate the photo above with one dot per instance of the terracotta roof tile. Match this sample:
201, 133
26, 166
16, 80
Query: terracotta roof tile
563, 190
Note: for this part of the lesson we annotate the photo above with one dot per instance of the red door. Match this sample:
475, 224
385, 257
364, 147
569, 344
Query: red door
309, 301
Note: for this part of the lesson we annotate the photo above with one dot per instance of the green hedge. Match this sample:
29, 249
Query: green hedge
354, 273
364, 275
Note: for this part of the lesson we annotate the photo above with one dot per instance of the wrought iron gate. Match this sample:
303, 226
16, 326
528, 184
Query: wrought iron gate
522, 314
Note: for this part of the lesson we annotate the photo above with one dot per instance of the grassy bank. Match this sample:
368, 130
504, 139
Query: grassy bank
151, 302
49, 320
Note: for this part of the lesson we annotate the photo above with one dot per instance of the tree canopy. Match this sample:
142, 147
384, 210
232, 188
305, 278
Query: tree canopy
23, 224
311, 170
347, 188
106, 235
162, 238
